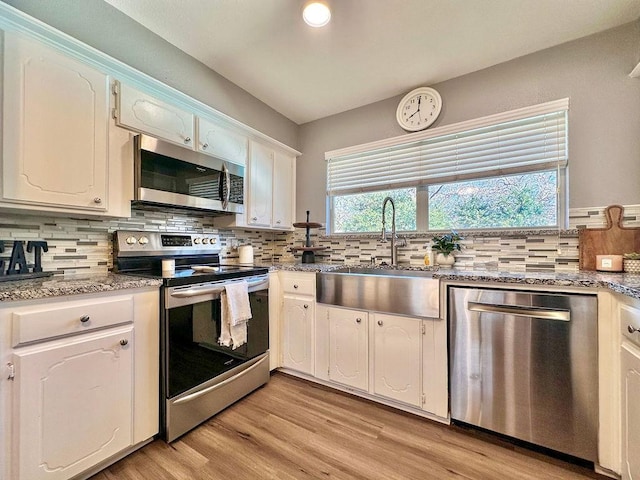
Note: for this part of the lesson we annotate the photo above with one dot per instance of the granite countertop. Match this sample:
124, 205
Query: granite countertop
624, 283
57, 286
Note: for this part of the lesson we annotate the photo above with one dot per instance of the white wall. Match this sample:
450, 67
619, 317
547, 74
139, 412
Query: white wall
604, 118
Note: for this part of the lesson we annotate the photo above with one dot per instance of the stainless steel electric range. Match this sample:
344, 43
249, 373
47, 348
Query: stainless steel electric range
199, 377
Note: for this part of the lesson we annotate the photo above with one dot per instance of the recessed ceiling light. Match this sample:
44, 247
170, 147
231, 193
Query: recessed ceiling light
316, 14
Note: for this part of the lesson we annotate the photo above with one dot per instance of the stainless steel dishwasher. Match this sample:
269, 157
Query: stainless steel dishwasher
525, 364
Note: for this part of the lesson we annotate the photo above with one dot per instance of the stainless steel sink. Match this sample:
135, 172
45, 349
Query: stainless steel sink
387, 272
404, 292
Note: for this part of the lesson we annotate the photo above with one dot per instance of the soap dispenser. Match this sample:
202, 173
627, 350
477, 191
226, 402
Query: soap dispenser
428, 257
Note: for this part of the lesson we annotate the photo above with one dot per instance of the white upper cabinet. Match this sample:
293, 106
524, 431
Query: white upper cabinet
284, 179
221, 142
260, 181
141, 112
55, 128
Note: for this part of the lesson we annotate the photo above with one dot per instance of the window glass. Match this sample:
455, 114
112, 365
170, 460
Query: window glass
527, 200
362, 212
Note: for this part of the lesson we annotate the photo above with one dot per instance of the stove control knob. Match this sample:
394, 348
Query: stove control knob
131, 240
196, 240
143, 240
205, 241
213, 241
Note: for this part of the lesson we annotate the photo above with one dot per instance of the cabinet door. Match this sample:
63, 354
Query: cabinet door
56, 117
260, 185
222, 143
74, 404
297, 333
397, 355
435, 366
630, 362
141, 112
349, 347
283, 190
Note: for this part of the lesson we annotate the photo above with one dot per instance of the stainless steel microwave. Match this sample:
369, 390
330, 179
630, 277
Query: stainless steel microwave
167, 174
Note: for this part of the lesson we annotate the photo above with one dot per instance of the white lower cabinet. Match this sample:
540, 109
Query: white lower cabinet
396, 359
297, 332
630, 389
349, 347
82, 392
630, 362
74, 404
397, 353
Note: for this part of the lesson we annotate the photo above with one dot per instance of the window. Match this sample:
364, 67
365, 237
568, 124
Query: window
503, 171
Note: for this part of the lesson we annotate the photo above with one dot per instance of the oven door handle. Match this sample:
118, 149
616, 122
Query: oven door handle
218, 289
210, 389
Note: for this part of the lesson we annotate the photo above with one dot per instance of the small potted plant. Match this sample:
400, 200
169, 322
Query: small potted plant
631, 262
444, 246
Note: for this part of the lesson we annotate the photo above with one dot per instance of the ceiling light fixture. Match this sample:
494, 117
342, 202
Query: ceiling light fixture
316, 14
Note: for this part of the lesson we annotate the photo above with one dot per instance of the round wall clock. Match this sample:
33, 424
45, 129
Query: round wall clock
418, 109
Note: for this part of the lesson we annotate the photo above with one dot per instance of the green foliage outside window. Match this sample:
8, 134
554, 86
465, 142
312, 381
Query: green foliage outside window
362, 212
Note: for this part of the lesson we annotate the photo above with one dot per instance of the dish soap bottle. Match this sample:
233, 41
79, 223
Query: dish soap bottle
428, 257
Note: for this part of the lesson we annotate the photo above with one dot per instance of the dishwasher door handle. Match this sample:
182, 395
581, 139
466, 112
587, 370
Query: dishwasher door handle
543, 313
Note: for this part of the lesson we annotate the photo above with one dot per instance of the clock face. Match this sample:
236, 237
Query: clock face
419, 109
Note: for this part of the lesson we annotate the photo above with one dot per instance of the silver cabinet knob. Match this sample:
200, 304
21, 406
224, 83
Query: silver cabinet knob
254, 219
85, 318
205, 146
358, 320
278, 222
187, 139
97, 200
632, 329
295, 286
380, 322
306, 306
124, 342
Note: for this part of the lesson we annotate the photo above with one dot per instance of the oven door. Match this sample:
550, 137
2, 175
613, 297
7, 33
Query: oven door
172, 175
191, 331
200, 377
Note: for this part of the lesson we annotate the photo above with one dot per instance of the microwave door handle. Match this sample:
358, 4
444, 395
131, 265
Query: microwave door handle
227, 196
224, 193
221, 179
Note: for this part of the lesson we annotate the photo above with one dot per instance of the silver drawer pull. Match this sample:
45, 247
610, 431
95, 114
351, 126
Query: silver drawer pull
358, 320
632, 329
85, 318
380, 322
306, 306
519, 311
124, 342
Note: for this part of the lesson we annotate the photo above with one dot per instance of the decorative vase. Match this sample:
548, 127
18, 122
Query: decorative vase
445, 261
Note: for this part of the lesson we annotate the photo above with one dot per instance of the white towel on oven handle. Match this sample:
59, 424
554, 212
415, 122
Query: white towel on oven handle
235, 311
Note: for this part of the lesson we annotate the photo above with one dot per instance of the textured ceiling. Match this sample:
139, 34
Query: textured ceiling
371, 50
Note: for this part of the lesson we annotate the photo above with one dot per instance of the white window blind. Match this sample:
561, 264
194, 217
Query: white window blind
530, 139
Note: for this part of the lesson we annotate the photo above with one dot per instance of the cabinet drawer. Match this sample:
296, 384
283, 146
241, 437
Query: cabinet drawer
299, 283
630, 323
33, 324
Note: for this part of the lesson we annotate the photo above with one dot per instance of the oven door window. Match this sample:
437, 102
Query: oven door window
194, 354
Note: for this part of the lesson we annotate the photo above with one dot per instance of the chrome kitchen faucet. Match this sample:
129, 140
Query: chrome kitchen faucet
394, 245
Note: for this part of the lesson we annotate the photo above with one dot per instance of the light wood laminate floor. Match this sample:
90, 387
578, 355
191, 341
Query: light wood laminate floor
293, 429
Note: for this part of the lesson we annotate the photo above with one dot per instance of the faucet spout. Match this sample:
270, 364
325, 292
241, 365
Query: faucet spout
394, 253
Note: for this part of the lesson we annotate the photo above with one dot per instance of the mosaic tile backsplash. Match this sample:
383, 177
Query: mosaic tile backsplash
85, 245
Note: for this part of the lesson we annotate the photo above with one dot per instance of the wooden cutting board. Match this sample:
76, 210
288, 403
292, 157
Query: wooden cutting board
612, 240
